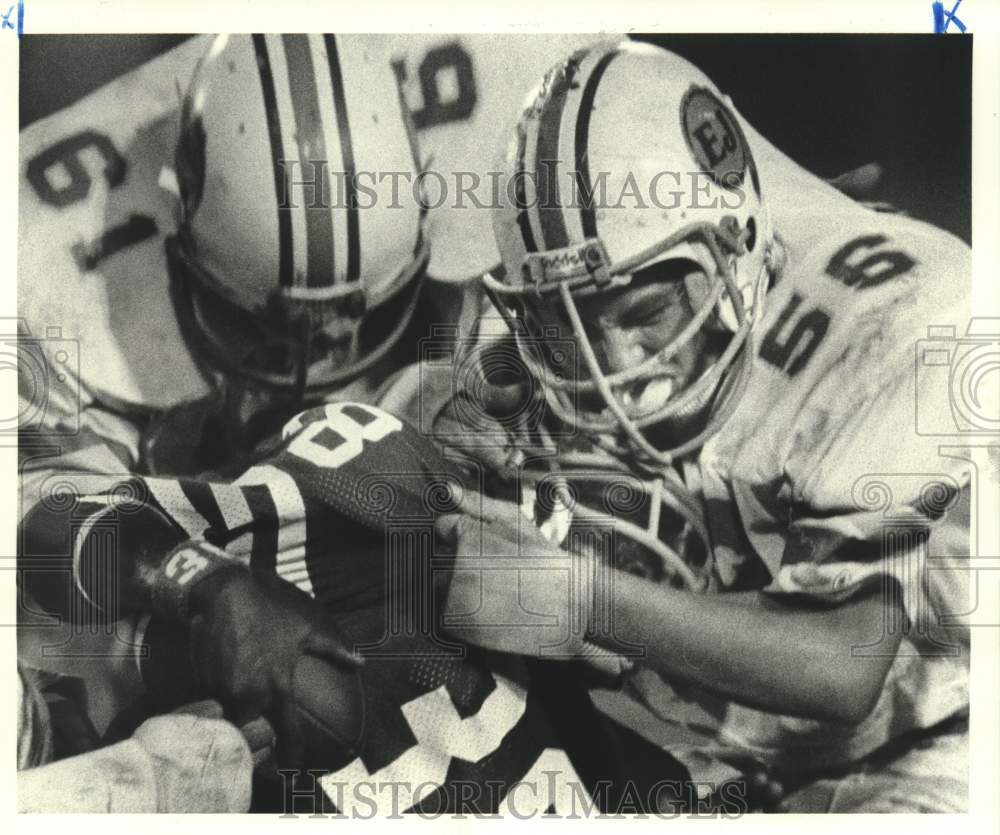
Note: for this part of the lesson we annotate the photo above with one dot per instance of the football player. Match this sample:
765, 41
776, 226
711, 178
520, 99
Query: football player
256, 590
718, 379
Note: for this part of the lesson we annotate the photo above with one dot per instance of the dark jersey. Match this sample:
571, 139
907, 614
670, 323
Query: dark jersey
343, 505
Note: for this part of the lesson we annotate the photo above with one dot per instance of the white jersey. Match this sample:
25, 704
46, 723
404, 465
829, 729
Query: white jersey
831, 459
97, 196
835, 458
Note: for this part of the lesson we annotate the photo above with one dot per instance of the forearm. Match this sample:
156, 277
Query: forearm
91, 559
773, 654
68, 471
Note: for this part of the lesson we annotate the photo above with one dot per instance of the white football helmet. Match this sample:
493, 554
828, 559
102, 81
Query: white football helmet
296, 267
610, 121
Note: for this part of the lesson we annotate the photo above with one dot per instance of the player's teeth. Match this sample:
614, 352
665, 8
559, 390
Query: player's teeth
652, 396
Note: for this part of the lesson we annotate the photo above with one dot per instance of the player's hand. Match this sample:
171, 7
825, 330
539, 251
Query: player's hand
258, 733
202, 763
189, 761
263, 647
480, 418
464, 424
514, 591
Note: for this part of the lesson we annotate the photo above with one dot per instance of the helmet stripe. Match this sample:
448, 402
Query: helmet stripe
310, 138
347, 154
523, 218
547, 162
585, 188
281, 186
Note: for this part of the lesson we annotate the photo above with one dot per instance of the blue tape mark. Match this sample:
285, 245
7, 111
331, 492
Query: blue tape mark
938, 10
6, 24
943, 19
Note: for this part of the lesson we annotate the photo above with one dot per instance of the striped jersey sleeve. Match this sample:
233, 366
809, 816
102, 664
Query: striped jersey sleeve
341, 479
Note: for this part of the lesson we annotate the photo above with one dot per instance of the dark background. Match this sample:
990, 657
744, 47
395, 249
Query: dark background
831, 102
834, 102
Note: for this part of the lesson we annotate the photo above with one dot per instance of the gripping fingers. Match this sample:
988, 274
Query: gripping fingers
260, 736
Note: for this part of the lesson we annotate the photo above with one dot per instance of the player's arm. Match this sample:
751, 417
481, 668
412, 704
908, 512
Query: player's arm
178, 549
70, 444
69, 549
786, 655
840, 578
